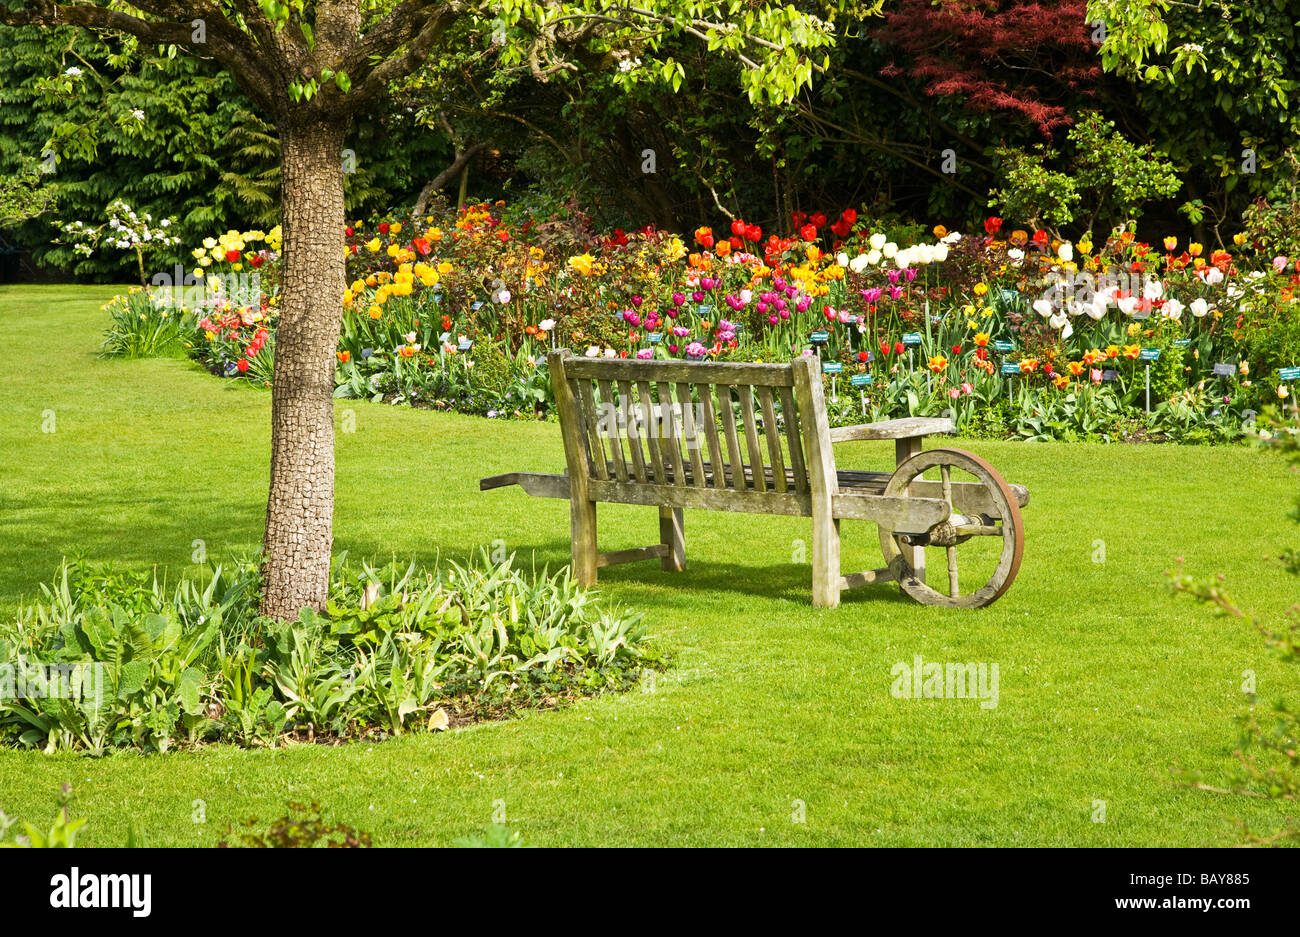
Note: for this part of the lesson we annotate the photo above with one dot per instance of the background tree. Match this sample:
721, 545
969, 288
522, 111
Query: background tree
310, 68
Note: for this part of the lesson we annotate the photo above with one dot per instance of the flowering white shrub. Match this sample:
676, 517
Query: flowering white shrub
125, 229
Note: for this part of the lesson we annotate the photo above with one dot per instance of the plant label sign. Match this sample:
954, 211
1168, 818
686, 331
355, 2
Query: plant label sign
1149, 354
1109, 375
1288, 374
656, 338
911, 338
1182, 342
862, 380
1010, 367
820, 338
476, 305
1224, 370
465, 345
832, 367
1004, 346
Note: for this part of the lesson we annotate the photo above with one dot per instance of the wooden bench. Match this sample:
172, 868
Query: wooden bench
754, 438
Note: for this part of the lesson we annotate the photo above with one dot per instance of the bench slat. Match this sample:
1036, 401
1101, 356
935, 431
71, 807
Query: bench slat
773, 438
647, 405
729, 429
595, 448
711, 431
670, 446
631, 419
691, 437
800, 471
751, 435
614, 432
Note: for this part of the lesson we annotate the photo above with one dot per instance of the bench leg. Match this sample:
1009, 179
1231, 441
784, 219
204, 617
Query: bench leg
826, 562
904, 449
672, 534
582, 524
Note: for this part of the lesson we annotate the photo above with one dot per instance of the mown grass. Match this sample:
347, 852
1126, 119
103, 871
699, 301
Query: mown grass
1107, 681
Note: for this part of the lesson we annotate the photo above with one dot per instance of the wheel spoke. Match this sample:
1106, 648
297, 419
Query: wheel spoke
952, 571
945, 473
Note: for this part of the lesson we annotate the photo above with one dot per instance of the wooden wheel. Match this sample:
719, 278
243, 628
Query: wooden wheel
982, 506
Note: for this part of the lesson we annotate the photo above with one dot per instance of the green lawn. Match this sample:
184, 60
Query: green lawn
1106, 679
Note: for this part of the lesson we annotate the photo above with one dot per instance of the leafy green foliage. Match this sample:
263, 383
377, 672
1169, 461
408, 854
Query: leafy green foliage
149, 668
1110, 175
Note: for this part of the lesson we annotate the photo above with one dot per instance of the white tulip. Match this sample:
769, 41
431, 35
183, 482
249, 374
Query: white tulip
1016, 254
1152, 289
842, 259
1199, 307
890, 249
1128, 305
1043, 307
903, 258
1066, 252
1173, 309
877, 241
873, 257
940, 252
859, 263
1097, 308
1214, 276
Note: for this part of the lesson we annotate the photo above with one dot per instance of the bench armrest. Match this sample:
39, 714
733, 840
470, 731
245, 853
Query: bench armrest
906, 428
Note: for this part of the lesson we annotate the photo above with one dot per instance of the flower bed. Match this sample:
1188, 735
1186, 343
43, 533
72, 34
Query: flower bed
1016, 333
109, 659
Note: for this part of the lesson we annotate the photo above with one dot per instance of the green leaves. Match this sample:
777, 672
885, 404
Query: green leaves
394, 645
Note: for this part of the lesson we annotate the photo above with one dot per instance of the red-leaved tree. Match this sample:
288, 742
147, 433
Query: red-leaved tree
1026, 58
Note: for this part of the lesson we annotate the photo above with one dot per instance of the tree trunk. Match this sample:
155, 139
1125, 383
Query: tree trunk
300, 507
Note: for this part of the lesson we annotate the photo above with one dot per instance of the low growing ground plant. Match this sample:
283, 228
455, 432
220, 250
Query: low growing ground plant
111, 659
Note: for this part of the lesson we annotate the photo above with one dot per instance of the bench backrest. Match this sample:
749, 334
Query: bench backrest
656, 423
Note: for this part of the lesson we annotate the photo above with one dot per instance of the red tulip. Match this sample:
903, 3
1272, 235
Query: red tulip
851, 216
738, 227
818, 219
991, 225
808, 233
233, 256
898, 348
242, 365
383, 227
798, 218
884, 349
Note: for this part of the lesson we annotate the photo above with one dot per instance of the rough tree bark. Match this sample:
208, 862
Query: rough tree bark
300, 506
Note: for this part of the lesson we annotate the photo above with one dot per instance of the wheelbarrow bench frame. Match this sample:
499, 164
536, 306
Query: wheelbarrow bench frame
624, 445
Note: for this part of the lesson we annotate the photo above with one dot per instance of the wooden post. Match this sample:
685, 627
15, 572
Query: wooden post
823, 482
582, 509
672, 534
904, 449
